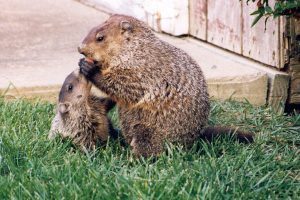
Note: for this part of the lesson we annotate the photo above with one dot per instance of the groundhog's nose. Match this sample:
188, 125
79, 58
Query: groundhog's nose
81, 49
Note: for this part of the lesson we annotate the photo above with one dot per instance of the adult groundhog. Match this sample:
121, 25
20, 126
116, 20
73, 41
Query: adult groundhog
159, 89
81, 116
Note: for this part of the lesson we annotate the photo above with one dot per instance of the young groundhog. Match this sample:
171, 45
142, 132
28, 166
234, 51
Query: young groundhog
159, 89
81, 116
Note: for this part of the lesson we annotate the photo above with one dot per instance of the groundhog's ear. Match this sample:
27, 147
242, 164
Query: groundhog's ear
126, 26
63, 108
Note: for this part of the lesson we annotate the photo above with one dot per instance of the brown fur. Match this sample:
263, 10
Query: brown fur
80, 115
160, 90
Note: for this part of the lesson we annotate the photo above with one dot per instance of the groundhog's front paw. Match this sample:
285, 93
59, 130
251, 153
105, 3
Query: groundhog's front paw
88, 69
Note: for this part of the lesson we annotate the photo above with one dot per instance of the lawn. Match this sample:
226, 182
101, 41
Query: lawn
31, 167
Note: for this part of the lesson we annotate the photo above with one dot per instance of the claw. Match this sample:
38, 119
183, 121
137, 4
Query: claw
81, 61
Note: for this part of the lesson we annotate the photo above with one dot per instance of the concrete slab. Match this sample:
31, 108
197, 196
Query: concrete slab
39, 48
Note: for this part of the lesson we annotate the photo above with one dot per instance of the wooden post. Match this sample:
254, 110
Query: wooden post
295, 82
294, 67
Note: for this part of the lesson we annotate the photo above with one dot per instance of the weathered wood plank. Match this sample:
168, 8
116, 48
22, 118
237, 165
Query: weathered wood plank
295, 81
252, 88
294, 33
224, 25
198, 18
294, 53
278, 91
259, 43
284, 47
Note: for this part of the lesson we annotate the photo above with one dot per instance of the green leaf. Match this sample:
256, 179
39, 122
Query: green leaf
290, 5
268, 9
256, 19
277, 5
255, 12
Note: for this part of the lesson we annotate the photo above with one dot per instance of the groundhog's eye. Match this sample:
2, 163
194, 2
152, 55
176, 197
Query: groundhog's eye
70, 88
100, 38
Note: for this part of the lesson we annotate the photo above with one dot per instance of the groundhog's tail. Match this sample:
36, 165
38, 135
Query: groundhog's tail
211, 132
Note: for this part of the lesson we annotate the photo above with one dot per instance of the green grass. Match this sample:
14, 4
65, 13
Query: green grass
31, 167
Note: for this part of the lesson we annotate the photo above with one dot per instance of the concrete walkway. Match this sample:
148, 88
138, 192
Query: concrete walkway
38, 48
39, 40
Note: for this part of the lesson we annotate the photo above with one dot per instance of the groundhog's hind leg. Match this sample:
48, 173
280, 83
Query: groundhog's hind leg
145, 142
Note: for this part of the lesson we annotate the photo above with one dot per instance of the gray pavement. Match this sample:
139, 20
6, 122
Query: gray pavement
39, 40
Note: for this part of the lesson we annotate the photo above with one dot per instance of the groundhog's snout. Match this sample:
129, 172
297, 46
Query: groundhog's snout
82, 49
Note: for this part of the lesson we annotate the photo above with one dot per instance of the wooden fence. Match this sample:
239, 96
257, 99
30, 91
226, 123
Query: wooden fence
227, 24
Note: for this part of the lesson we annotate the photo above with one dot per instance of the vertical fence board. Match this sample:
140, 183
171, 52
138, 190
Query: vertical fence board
198, 18
224, 25
259, 43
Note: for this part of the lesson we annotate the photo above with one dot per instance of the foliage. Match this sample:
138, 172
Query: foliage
31, 167
280, 8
